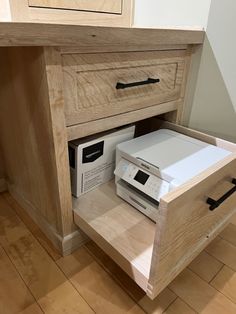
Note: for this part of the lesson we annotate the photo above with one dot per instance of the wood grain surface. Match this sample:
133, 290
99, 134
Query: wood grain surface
35, 148
113, 13
43, 34
90, 82
106, 6
185, 225
119, 229
93, 283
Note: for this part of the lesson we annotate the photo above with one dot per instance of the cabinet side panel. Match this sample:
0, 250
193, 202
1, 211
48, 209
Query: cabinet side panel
26, 133
55, 89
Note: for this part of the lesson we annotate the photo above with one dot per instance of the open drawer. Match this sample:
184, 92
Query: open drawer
154, 254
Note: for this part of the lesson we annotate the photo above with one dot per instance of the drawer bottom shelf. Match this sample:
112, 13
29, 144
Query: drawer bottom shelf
125, 234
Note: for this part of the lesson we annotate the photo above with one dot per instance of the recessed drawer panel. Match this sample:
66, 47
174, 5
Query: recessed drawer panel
98, 86
103, 6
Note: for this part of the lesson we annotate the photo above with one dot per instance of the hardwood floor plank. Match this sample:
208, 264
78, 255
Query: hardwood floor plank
36, 268
149, 306
42, 276
14, 295
102, 293
31, 225
225, 282
200, 296
229, 234
159, 304
64, 299
223, 251
32, 309
45, 280
233, 220
179, 307
115, 271
205, 266
5, 209
136, 310
11, 230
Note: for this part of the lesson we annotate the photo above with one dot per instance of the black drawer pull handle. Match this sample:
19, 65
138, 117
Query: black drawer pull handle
214, 204
148, 81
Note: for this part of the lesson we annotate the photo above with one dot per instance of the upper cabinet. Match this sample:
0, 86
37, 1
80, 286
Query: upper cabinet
81, 12
189, 14
102, 6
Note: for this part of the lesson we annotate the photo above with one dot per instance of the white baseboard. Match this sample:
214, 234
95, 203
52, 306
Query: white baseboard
3, 185
66, 245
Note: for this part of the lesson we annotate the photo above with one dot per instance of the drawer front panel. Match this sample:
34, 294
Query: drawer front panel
103, 6
187, 224
91, 89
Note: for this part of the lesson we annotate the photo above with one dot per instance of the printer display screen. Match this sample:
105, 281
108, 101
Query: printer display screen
141, 177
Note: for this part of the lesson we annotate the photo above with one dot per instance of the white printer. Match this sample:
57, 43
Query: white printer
150, 166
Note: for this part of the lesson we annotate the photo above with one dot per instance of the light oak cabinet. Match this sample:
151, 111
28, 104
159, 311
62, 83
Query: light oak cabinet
81, 12
54, 94
102, 6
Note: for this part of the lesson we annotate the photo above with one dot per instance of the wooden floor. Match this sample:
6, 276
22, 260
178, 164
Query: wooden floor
35, 279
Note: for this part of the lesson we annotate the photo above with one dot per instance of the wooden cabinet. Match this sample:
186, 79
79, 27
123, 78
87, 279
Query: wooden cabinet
51, 95
101, 6
152, 254
82, 12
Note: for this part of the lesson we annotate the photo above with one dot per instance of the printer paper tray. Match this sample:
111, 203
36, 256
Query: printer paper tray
141, 201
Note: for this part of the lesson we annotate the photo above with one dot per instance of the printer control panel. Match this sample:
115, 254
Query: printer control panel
141, 179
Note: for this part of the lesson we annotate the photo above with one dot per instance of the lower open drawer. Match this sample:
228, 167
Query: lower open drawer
154, 254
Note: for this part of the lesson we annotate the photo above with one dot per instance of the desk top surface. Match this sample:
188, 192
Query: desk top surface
39, 34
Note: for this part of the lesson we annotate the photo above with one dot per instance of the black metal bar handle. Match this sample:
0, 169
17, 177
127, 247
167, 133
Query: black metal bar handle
216, 203
148, 81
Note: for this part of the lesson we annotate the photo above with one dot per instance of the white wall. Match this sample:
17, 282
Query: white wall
5, 12
211, 93
171, 13
213, 108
